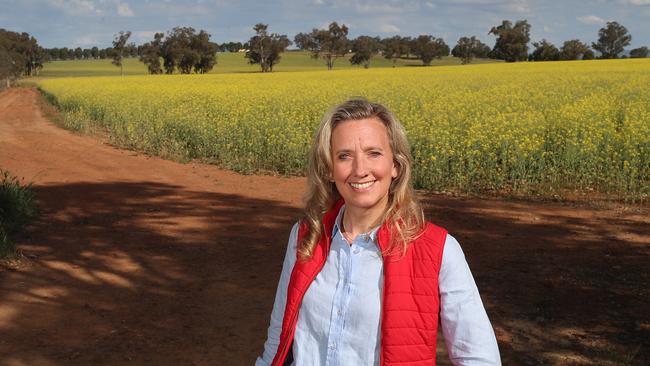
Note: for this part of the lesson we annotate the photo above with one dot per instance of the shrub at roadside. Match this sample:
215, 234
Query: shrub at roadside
17, 207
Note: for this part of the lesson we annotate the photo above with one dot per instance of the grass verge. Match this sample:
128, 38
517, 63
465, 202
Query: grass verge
17, 208
75, 122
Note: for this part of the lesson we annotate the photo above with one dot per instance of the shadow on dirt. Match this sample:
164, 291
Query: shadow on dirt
145, 273
559, 288
149, 273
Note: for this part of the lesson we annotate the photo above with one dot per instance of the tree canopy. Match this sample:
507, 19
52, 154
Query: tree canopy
231, 46
328, 44
182, 49
544, 51
429, 47
265, 49
119, 46
512, 41
641, 52
150, 54
364, 48
20, 54
468, 48
575, 50
612, 40
392, 48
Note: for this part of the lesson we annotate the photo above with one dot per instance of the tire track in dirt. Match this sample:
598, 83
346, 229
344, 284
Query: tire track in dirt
139, 260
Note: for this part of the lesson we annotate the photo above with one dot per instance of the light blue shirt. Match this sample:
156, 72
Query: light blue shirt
339, 319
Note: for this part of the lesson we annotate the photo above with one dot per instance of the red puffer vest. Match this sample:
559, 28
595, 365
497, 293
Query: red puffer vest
411, 301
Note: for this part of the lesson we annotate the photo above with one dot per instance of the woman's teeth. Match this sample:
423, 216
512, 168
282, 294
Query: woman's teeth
361, 185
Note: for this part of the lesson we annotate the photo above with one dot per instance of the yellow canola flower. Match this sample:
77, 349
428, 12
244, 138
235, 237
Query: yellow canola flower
522, 127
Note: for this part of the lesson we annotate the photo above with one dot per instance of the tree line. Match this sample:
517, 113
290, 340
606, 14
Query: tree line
512, 44
264, 48
20, 54
130, 50
185, 50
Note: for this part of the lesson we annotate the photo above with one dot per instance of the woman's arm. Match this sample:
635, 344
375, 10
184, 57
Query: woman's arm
468, 333
273, 335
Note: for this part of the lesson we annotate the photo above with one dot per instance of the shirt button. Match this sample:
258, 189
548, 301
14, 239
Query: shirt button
333, 346
356, 251
339, 312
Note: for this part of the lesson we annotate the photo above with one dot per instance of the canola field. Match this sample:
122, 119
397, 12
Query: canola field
528, 128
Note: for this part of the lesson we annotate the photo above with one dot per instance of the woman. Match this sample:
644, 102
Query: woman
366, 279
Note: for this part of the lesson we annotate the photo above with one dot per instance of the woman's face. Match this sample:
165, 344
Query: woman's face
362, 164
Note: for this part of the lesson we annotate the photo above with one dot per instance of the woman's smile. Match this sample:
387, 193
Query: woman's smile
362, 187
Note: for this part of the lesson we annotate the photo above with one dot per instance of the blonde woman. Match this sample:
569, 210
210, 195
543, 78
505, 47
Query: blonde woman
366, 280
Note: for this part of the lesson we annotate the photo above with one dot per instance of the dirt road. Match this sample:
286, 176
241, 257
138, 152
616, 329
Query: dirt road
140, 261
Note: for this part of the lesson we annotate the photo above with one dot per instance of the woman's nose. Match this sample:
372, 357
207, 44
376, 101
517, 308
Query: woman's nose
360, 167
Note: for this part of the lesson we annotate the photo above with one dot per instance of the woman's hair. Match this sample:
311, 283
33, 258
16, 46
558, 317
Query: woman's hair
403, 212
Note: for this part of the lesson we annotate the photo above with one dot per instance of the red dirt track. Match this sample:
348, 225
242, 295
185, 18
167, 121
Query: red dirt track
135, 260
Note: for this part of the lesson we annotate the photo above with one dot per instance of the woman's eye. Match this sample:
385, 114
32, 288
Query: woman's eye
375, 153
344, 156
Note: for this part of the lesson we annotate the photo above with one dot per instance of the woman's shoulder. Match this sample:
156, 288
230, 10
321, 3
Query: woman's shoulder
295, 230
293, 237
440, 237
434, 233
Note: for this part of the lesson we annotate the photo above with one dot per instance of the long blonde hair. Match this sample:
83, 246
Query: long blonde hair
403, 211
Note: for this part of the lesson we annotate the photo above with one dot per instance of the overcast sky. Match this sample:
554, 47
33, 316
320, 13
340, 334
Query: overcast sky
87, 23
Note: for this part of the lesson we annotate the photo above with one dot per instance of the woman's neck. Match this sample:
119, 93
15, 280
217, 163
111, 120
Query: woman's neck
356, 222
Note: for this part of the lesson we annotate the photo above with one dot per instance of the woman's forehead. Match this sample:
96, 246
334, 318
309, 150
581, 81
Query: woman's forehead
362, 131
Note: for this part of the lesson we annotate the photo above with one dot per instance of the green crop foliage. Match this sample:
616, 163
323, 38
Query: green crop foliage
17, 207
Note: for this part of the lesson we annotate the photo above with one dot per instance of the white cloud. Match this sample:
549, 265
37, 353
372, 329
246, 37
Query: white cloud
474, 2
389, 28
124, 10
76, 7
547, 29
86, 41
94, 8
518, 6
176, 9
386, 8
591, 19
636, 2
374, 6
143, 36
324, 25
514, 6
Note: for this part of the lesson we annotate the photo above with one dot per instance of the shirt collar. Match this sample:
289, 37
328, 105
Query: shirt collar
372, 234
